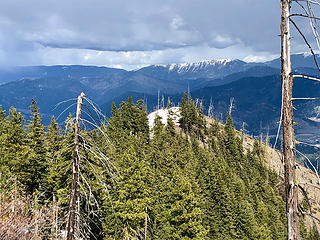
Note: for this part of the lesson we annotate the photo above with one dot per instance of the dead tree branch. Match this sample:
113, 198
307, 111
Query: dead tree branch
303, 155
312, 185
311, 98
306, 42
303, 15
307, 77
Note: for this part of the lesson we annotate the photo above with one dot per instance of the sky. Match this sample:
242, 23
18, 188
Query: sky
133, 33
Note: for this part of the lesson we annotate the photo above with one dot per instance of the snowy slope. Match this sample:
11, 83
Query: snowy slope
202, 69
197, 66
165, 114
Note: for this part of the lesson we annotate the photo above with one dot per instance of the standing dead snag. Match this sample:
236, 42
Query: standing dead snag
288, 132
74, 196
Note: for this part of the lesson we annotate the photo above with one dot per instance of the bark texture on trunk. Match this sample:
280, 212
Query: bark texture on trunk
74, 196
287, 121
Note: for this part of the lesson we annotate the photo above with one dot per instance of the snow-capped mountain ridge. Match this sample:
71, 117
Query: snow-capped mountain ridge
194, 66
186, 67
202, 69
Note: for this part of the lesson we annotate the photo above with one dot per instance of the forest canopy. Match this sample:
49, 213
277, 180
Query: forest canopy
189, 182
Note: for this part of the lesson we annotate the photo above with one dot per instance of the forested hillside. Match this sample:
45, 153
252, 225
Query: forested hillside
192, 181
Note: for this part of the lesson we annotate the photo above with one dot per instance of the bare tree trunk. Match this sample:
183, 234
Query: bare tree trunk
146, 225
56, 220
54, 226
74, 196
53, 223
14, 209
125, 234
288, 132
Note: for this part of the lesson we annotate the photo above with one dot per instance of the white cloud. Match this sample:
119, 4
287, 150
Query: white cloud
137, 32
260, 58
176, 23
133, 59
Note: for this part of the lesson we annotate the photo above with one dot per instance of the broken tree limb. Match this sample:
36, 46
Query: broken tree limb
307, 77
74, 196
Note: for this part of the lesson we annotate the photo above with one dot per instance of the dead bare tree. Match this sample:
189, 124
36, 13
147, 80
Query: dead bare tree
287, 120
231, 106
84, 206
74, 197
210, 110
289, 149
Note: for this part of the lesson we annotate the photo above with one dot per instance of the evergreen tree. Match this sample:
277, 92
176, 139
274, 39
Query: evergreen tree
132, 196
54, 145
129, 120
188, 114
192, 120
34, 170
178, 210
14, 151
233, 146
61, 178
168, 186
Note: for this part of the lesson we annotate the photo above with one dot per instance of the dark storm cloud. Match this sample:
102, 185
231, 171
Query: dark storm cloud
31, 29
140, 24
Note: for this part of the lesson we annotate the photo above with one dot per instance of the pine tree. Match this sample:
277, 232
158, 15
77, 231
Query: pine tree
62, 171
233, 146
178, 213
170, 128
115, 126
34, 169
132, 197
167, 186
177, 209
129, 120
53, 144
158, 127
192, 120
14, 151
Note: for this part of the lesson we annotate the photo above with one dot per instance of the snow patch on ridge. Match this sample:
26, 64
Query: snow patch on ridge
173, 112
193, 67
187, 67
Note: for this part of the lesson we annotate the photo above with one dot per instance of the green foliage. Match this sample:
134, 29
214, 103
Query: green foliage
14, 150
192, 120
132, 191
34, 169
167, 186
128, 120
58, 162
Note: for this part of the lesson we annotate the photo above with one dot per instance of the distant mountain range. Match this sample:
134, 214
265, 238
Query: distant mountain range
255, 87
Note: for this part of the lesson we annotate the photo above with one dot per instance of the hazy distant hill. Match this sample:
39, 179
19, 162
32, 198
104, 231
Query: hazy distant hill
52, 84
255, 88
191, 71
298, 61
